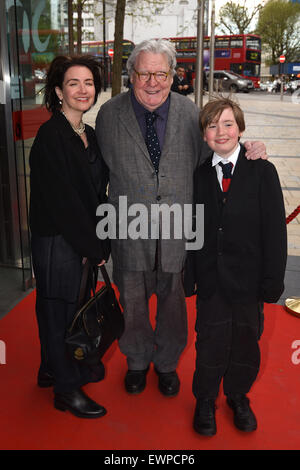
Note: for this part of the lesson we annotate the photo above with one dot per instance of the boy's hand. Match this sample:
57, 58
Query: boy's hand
255, 150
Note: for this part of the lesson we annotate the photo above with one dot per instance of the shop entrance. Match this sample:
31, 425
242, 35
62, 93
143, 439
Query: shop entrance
30, 37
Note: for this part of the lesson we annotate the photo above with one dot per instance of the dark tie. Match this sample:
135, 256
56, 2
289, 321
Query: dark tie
226, 168
152, 141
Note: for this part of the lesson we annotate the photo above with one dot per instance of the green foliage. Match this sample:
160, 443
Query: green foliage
236, 19
279, 28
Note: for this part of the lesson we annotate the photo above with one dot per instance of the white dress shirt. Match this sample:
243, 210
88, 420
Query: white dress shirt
217, 159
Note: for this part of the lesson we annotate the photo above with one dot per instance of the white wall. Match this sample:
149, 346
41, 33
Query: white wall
174, 20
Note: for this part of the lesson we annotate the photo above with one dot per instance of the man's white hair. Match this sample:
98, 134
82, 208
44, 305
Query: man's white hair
156, 46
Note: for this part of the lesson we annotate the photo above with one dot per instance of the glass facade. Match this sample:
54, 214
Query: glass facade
31, 35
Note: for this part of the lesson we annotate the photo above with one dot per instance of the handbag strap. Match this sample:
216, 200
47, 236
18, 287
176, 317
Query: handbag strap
84, 279
83, 283
105, 276
87, 268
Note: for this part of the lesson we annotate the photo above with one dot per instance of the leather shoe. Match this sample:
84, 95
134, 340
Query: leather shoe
243, 417
204, 417
45, 379
168, 383
135, 380
79, 404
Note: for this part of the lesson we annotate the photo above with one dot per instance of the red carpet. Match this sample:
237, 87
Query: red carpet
147, 421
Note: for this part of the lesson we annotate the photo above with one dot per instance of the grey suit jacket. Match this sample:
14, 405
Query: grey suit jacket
131, 174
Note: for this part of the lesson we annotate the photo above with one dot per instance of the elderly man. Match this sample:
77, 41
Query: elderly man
151, 156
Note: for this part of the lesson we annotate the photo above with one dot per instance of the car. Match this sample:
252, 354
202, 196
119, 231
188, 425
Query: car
225, 80
265, 86
39, 75
292, 86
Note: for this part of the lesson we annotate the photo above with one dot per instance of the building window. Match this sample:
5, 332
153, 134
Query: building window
89, 22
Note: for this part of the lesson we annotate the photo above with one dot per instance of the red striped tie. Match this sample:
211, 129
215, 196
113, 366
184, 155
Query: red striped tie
226, 168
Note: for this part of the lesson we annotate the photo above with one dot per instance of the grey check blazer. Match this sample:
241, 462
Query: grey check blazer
131, 174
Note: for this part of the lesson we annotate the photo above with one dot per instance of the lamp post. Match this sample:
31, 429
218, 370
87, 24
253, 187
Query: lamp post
104, 45
199, 61
212, 50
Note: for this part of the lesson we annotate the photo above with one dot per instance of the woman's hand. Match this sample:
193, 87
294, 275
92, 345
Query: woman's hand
84, 260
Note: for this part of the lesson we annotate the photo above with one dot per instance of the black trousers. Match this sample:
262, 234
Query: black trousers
58, 269
226, 346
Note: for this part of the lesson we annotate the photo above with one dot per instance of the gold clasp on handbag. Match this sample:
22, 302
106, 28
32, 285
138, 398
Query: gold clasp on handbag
79, 354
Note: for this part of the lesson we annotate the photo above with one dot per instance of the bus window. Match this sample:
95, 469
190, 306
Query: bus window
253, 43
236, 42
251, 70
221, 43
184, 45
237, 68
127, 48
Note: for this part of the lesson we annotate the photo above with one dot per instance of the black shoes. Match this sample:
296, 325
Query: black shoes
168, 383
79, 404
243, 418
135, 380
204, 417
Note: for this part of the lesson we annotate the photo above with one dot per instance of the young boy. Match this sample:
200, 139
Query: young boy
241, 265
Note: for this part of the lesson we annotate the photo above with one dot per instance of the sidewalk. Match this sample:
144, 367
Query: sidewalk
277, 124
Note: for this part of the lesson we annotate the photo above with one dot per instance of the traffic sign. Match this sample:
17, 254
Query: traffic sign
282, 59
110, 52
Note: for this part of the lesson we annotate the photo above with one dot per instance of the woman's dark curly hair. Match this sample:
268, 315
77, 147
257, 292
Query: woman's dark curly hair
56, 74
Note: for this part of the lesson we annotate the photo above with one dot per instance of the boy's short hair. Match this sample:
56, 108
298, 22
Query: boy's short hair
213, 110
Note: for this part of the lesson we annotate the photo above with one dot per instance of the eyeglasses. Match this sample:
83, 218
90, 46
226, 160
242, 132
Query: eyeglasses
159, 76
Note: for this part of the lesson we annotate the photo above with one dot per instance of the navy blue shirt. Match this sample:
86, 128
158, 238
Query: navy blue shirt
160, 123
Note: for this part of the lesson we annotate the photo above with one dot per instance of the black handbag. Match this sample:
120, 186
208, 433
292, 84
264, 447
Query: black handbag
98, 323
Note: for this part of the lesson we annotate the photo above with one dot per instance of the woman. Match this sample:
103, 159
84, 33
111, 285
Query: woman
68, 182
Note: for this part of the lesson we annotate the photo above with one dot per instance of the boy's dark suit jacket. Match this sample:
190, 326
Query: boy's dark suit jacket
245, 241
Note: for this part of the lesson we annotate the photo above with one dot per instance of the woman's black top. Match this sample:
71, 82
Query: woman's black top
67, 184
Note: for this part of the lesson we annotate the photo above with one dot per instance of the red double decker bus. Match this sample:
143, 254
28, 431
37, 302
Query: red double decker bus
95, 48
239, 53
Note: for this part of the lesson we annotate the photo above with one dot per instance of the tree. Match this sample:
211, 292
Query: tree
135, 7
118, 47
70, 27
278, 25
78, 6
236, 19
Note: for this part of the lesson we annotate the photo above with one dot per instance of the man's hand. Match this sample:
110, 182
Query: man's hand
255, 150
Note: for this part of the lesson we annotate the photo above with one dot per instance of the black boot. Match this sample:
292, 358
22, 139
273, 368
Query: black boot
79, 404
243, 416
204, 417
